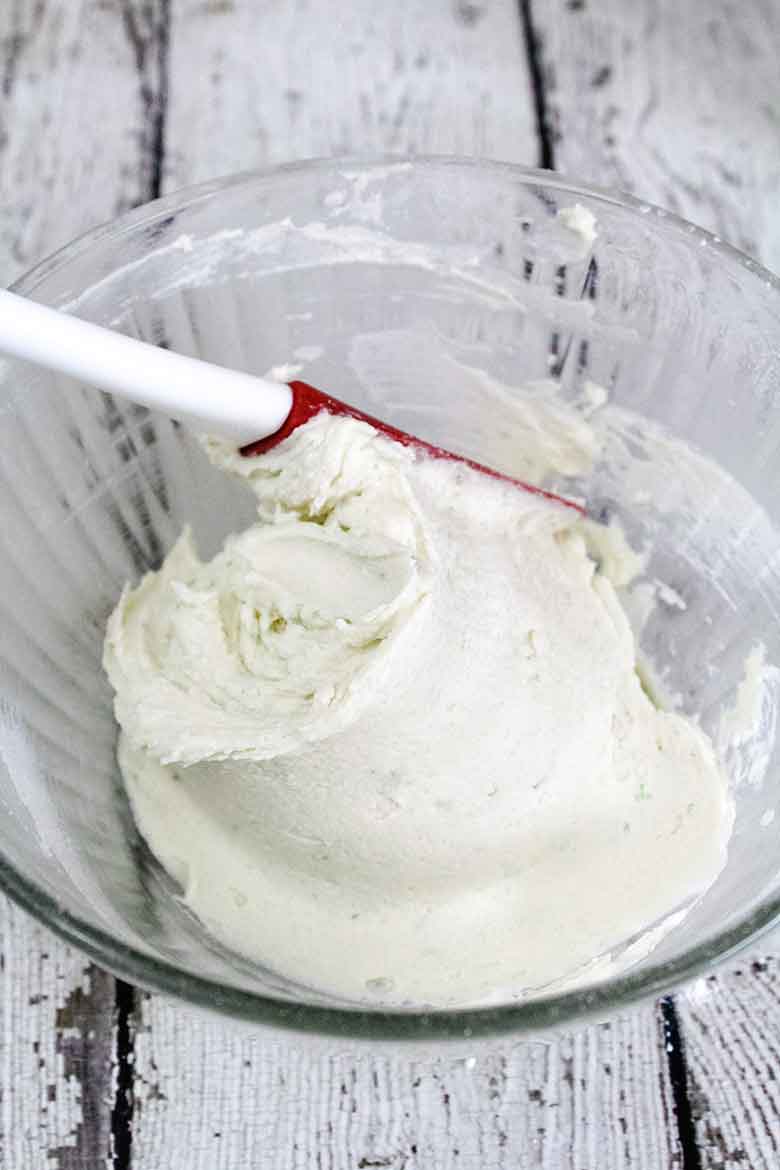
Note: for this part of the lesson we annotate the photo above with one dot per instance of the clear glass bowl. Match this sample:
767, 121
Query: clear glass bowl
379, 277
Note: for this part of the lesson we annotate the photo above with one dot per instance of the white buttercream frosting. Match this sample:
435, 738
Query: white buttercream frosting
391, 739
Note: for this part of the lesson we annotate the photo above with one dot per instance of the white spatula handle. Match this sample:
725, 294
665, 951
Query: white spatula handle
209, 398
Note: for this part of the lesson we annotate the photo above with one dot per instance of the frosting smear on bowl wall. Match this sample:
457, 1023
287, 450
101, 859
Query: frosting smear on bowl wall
392, 741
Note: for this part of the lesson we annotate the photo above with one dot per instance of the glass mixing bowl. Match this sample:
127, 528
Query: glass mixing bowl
397, 286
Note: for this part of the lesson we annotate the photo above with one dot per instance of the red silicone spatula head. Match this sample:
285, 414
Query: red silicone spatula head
307, 401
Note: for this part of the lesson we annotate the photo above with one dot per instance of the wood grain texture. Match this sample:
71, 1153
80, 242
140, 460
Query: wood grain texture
212, 1097
678, 103
254, 82
56, 1043
732, 1031
81, 81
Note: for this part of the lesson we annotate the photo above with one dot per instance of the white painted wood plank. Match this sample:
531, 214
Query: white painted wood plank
255, 82
79, 84
676, 102
78, 80
680, 103
731, 1023
213, 1097
55, 1051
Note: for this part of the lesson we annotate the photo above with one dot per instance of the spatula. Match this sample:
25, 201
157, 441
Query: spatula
256, 413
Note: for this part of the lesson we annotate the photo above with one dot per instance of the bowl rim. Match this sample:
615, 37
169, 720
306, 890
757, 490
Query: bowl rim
358, 1023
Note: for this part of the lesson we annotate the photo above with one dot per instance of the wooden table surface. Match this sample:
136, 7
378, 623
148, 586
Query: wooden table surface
107, 103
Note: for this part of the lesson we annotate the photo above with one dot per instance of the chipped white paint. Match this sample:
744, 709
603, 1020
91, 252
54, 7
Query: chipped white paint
732, 1031
292, 79
214, 1097
677, 103
55, 1047
70, 158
